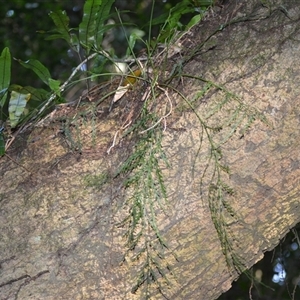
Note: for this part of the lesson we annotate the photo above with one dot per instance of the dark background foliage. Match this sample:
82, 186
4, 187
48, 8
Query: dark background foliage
278, 273
24, 26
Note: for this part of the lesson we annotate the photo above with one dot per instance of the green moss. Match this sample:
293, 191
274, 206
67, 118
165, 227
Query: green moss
96, 181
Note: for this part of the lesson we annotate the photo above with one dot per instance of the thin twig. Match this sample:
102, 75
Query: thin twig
250, 290
10, 141
114, 142
62, 88
17, 163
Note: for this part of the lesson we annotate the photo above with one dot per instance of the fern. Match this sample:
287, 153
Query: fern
91, 29
5, 74
61, 21
147, 197
101, 28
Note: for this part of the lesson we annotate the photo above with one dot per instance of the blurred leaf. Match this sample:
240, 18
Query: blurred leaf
17, 104
195, 20
74, 42
131, 43
39, 95
177, 11
3, 97
203, 3
15, 87
171, 18
91, 29
61, 21
87, 28
38, 68
2, 144
54, 85
5, 74
101, 19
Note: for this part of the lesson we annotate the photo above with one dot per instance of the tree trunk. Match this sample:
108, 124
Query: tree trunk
214, 127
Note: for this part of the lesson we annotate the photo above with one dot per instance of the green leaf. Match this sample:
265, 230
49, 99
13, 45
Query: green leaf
92, 28
203, 3
103, 15
2, 144
61, 21
131, 42
195, 20
37, 99
171, 19
177, 11
74, 42
87, 28
54, 36
5, 74
38, 68
54, 85
38, 96
136, 35
17, 104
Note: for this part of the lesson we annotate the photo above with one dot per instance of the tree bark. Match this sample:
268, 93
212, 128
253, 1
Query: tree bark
233, 101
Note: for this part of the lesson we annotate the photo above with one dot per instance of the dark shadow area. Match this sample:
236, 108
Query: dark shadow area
277, 275
24, 28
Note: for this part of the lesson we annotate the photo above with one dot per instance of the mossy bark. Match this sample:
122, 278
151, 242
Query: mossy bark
60, 233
